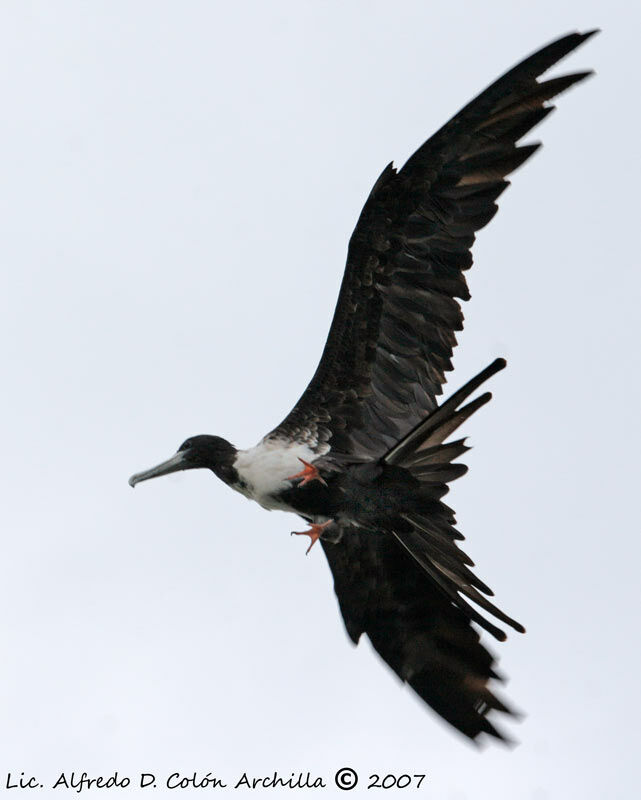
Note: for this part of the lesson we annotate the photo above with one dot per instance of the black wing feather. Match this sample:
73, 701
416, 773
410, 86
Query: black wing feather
423, 636
403, 580
390, 343
393, 331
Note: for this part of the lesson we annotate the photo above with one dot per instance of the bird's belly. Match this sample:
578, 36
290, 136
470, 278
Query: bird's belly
268, 500
263, 471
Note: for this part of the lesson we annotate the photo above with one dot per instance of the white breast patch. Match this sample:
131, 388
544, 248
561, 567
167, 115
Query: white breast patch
264, 470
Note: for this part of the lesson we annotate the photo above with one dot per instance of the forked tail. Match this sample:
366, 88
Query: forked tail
426, 530
424, 439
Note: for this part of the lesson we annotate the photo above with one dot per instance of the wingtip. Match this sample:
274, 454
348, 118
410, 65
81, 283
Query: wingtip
580, 37
588, 34
584, 75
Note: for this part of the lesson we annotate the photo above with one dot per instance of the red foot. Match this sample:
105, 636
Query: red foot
314, 532
309, 474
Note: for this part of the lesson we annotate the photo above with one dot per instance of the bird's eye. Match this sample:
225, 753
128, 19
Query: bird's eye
185, 445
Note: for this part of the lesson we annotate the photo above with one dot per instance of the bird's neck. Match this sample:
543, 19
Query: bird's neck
223, 467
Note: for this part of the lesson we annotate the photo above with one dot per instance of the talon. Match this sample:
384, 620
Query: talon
308, 474
314, 532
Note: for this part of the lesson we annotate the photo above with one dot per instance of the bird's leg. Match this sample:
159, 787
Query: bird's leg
308, 473
314, 533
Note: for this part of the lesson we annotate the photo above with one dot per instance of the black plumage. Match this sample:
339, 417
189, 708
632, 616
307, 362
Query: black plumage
371, 437
393, 332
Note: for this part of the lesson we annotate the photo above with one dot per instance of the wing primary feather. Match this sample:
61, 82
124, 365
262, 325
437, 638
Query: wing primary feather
406, 263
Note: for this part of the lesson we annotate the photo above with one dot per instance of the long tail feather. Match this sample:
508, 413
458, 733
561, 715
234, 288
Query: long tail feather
426, 531
445, 420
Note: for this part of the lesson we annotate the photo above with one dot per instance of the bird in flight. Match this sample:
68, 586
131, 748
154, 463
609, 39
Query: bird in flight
365, 456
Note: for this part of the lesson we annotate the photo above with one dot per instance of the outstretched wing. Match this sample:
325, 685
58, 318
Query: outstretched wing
403, 580
424, 637
393, 331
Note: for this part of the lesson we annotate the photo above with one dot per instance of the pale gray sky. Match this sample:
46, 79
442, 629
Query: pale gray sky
179, 183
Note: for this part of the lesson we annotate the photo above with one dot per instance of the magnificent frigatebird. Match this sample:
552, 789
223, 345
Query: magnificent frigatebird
364, 456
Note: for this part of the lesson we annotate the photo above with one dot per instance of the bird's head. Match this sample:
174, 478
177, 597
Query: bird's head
197, 452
